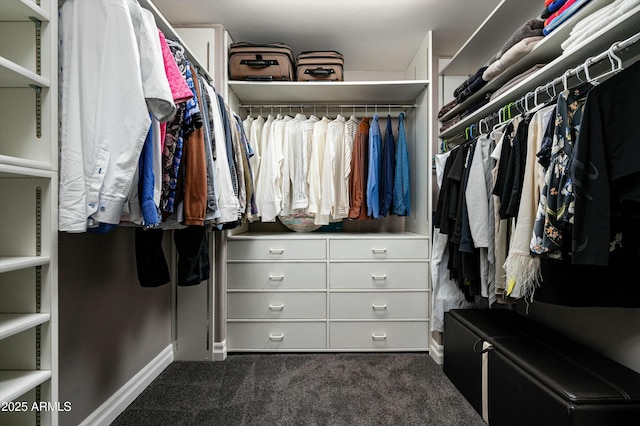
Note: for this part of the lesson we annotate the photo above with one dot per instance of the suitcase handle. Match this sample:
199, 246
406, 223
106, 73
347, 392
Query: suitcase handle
320, 72
259, 63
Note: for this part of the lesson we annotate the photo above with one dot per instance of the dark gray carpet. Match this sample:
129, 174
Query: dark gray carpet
303, 389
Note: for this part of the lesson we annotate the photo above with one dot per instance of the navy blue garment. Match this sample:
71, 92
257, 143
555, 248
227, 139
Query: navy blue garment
388, 169
150, 213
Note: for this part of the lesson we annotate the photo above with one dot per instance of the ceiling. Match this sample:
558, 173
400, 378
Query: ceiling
380, 35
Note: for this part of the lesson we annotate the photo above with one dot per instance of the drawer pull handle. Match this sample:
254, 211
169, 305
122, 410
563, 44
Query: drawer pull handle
379, 336
379, 250
276, 250
276, 337
379, 277
276, 307
379, 307
276, 277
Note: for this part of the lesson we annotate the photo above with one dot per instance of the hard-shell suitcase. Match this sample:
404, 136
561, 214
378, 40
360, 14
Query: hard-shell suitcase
327, 65
272, 61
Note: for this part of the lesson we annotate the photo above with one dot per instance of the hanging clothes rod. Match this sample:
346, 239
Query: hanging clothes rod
380, 105
522, 104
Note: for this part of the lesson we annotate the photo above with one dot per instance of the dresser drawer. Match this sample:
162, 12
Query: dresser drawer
276, 305
379, 275
277, 335
380, 306
276, 276
379, 335
379, 249
276, 249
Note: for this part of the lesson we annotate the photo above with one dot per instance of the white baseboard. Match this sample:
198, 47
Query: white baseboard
220, 350
119, 401
436, 351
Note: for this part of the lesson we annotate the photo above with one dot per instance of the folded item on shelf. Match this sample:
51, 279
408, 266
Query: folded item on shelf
595, 21
479, 104
447, 107
517, 79
456, 119
531, 28
552, 8
468, 82
565, 12
475, 86
510, 57
450, 122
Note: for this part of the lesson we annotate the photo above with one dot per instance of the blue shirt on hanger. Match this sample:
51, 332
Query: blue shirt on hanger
373, 178
401, 185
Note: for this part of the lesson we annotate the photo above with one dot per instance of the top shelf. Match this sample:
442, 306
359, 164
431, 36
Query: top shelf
543, 52
505, 19
21, 10
620, 29
374, 92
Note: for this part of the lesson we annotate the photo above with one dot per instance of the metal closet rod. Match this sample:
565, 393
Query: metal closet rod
387, 105
504, 113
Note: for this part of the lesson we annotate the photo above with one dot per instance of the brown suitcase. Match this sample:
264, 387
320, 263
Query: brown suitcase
272, 61
327, 65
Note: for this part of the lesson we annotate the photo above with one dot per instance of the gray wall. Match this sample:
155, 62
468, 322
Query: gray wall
110, 327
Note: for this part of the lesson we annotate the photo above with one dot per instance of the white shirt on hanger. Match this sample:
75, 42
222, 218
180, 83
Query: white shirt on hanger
293, 163
333, 170
315, 170
102, 130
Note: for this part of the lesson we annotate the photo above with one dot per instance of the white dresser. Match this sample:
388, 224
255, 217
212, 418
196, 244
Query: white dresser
328, 292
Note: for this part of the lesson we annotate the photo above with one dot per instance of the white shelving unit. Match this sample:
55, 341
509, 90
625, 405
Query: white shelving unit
379, 267
28, 194
379, 92
558, 62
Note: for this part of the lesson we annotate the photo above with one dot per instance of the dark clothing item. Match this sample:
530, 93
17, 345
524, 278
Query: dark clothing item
464, 86
442, 210
606, 166
193, 255
505, 153
151, 264
474, 86
512, 191
615, 285
388, 169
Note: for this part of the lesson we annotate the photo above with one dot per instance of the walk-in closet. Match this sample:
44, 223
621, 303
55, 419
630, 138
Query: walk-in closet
336, 213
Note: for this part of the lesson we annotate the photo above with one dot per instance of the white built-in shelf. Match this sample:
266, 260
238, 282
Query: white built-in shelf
15, 263
11, 324
544, 52
321, 92
620, 29
16, 383
505, 19
16, 167
14, 75
21, 10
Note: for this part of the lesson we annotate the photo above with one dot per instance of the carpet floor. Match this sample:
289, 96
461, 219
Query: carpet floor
303, 389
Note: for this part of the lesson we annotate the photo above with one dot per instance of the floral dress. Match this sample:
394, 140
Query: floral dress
557, 201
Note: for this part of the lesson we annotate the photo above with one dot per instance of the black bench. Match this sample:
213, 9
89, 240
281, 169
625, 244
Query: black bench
535, 376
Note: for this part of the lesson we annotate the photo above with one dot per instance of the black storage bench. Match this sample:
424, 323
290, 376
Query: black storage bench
533, 375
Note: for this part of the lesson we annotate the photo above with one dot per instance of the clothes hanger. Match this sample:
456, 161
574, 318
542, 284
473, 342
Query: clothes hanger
585, 69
